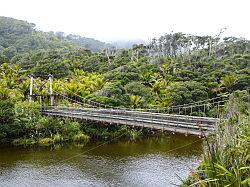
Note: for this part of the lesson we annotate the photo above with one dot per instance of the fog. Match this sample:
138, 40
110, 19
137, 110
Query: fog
112, 20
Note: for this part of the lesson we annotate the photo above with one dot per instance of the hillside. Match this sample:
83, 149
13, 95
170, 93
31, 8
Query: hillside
18, 37
174, 69
123, 44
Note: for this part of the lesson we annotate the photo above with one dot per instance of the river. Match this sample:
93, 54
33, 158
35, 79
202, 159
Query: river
154, 161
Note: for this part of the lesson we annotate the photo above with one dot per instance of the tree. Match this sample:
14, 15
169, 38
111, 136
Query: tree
134, 101
136, 88
7, 116
228, 81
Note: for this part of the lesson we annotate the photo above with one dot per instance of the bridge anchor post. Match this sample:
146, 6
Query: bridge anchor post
51, 90
31, 86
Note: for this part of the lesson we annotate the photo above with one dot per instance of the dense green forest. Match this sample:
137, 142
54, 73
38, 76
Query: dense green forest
20, 37
174, 69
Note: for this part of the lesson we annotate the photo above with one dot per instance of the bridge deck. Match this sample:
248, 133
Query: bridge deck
174, 123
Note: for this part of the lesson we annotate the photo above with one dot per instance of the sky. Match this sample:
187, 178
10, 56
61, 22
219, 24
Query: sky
110, 20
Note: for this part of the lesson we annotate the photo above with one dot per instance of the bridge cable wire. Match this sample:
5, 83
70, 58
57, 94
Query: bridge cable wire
93, 148
73, 100
152, 109
55, 108
109, 141
93, 106
94, 102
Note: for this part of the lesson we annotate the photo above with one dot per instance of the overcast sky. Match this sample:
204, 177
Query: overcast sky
133, 19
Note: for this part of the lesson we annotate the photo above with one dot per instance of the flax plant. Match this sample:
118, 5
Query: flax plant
226, 159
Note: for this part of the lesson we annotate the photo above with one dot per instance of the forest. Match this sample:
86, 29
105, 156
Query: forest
174, 69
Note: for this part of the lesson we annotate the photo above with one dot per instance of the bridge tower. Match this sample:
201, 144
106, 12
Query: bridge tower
31, 76
50, 91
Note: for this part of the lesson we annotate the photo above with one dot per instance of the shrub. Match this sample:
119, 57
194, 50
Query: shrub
45, 141
27, 116
24, 141
135, 134
226, 157
8, 129
57, 138
72, 128
6, 112
80, 137
136, 88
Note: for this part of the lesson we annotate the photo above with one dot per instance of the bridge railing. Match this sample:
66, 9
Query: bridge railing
189, 124
194, 109
129, 114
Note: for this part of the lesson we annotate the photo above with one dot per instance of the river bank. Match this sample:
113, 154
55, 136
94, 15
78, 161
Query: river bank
226, 157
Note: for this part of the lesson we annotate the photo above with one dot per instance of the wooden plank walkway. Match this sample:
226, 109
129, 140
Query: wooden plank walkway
200, 126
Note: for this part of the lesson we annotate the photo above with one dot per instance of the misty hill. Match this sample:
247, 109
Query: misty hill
126, 44
88, 43
17, 37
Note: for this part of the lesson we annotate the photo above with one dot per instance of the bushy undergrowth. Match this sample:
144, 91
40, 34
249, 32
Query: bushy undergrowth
80, 138
45, 141
33, 128
226, 160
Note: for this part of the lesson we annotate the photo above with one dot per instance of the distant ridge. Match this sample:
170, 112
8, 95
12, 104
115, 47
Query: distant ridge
18, 36
126, 44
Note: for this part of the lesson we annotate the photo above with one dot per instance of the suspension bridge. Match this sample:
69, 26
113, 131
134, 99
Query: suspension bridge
175, 119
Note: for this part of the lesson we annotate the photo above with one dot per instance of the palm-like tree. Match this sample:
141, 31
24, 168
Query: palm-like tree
4, 93
71, 89
156, 87
228, 82
78, 73
134, 101
24, 87
147, 78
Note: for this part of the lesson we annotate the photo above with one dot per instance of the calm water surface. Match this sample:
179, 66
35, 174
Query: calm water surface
147, 162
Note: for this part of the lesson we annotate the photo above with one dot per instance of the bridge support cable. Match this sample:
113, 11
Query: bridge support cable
149, 109
177, 122
204, 110
174, 123
148, 117
73, 100
145, 109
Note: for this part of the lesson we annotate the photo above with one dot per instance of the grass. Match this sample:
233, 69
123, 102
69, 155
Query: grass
57, 138
45, 141
24, 141
226, 159
81, 138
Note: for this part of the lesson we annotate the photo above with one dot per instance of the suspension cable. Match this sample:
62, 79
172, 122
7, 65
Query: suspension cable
149, 109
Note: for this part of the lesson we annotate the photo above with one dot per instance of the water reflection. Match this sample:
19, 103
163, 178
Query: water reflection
148, 162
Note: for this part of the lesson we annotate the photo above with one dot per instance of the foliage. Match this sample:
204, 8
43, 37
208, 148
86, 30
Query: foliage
134, 101
226, 160
24, 141
46, 141
6, 112
81, 138
57, 138
27, 114
174, 69
7, 126
136, 88
20, 37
